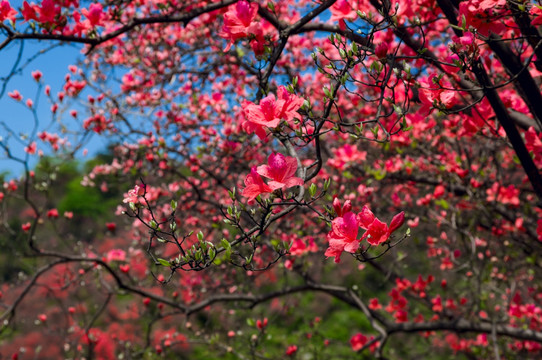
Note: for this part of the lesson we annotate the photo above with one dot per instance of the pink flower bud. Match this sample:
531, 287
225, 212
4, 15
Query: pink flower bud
37, 75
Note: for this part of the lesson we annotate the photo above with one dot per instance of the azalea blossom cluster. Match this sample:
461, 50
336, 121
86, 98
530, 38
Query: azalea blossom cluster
345, 227
134, 195
239, 23
280, 170
53, 16
271, 111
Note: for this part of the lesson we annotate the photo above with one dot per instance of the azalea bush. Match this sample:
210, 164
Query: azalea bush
305, 179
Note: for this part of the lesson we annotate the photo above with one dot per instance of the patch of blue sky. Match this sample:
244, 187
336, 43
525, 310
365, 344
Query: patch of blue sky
19, 123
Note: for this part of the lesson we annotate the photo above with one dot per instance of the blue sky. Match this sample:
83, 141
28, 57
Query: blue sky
54, 66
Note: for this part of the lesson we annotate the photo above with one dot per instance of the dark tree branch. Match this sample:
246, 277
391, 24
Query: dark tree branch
462, 325
284, 34
532, 34
524, 83
93, 42
500, 110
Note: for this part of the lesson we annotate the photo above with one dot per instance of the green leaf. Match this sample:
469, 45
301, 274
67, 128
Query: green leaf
379, 175
225, 244
276, 244
326, 92
327, 183
211, 253
442, 203
240, 52
312, 189
164, 262
248, 259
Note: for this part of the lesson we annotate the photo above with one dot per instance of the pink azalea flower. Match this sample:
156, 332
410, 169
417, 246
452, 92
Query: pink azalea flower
29, 12
340, 210
346, 154
358, 341
53, 213
6, 11
291, 350
116, 255
378, 231
134, 194
537, 13
344, 229
37, 75
48, 11
111, 226
94, 14
251, 127
31, 148
465, 43
267, 113
291, 104
533, 142
271, 111
254, 185
381, 50
26, 226
281, 171
15, 95
237, 21
397, 221
342, 10
366, 217
483, 15
433, 96
343, 236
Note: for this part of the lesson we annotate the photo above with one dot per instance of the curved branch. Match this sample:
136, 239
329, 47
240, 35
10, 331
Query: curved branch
162, 19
